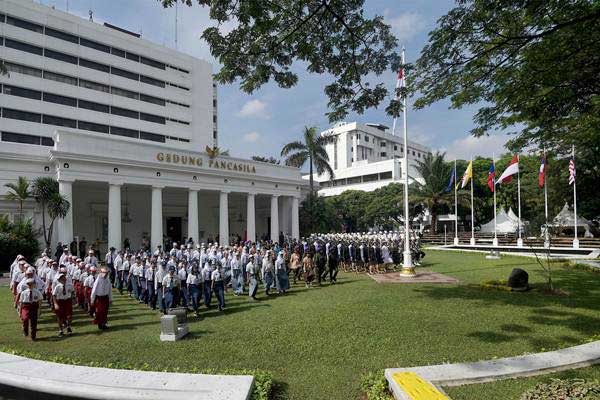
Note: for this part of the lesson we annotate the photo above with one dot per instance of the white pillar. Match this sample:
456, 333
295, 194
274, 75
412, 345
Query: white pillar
65, 225
275, 218
157, 218
114, 216
224, 218
193, 230
295, 218
251, 218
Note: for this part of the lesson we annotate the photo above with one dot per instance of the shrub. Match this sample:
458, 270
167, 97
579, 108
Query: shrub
375, 386
17, 238
558, 389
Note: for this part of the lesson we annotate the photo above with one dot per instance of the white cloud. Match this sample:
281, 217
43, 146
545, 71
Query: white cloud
254, 108
405, 25
251, 137
468, 146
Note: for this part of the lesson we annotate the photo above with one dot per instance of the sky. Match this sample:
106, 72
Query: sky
261, 123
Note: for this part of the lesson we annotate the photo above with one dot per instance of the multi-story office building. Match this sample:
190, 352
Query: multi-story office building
123, 124
366, 157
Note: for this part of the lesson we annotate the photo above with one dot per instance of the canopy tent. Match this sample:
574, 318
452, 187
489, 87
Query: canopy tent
506, 222
565, 220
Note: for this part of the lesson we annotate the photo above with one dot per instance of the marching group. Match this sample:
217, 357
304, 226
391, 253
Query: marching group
189, 275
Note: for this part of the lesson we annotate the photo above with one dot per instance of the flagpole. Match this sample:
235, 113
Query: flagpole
495, 241
397, 87
575, 240
546, 236
455, 207
472, 211
408, 269
520, 239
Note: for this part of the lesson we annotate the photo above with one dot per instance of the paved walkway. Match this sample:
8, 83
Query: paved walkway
486, 371
421, 277
106, 383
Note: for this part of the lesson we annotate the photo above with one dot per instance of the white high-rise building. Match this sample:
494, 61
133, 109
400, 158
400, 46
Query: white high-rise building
366, 157
123, 124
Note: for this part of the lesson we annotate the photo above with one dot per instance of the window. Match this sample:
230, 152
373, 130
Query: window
59, 121
46, 141
382, 144
151, 99
152, 81
385, 175
22, 92
214, 118
94, 86
94, 65
152, 136
214, 102
90, 105
124, 112
370, 178
60, 78
117, 52
58, 99
115, 130
20, 138
2, 17
124, 93
94, 45
419, 155
353, 180
24, 24
132, 57
395, 148
29, 48
413, 152
179, 104
152, 63
124, 74
366, 138
383, 154
62, 35
60, 56
152, 118
21, 115
22, 69
214, 134
90, 126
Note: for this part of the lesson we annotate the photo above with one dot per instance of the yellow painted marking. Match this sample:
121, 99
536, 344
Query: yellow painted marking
416, 387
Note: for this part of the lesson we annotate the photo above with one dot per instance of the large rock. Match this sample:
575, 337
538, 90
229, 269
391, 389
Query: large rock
518, 279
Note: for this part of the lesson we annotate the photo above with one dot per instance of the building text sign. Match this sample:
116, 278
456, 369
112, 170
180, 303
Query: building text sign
213, 163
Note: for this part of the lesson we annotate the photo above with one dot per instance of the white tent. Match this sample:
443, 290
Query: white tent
506, 222
565, 219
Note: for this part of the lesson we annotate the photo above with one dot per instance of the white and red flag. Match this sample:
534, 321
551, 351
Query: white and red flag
542, 173
512, 169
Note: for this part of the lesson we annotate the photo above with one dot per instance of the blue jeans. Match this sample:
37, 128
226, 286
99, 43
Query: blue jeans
207, 293
150, 295
220, 292
159, 297
183, 295
194, 294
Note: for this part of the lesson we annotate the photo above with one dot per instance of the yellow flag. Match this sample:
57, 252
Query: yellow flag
467, 175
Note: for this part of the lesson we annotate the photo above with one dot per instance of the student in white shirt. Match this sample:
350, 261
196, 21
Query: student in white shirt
218, 285
62, 294
251, 271
170, 288
101, 298
194, 282
30, 300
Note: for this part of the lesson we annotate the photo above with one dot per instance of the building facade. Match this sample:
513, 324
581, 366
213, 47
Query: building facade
126, 126
366, 157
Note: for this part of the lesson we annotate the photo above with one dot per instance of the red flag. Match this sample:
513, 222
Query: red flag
542, 173
491, 176
513, 168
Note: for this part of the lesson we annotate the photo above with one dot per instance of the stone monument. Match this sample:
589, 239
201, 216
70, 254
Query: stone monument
173, 326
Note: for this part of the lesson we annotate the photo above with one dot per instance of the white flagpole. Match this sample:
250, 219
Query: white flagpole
472, 211
520, 239
546, 236
495, 241
575, 240
407, 265
455, 207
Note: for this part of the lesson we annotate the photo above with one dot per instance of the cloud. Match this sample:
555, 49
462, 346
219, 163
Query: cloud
469, 146
254, 108
406, 25
251, 137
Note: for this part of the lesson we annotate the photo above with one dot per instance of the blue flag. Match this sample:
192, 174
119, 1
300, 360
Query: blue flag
452, 179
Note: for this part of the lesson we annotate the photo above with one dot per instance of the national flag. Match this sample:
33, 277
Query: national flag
513, 168
572, 171
491, 175
401, 74
452, 179
467, 175
542, 173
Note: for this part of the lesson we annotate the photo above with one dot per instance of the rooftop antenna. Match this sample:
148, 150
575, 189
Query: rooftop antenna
91, 15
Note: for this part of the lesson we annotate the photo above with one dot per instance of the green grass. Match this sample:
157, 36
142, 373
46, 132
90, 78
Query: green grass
318, 343
512, 389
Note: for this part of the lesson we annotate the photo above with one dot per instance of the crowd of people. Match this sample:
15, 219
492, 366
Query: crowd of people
190, 275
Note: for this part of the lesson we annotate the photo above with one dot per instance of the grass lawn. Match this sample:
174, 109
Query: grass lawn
319, 342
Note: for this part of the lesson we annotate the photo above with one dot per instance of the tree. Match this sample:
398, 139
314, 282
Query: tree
270, 159
432, 193
45, 191
328, 36
19, 192
350, 208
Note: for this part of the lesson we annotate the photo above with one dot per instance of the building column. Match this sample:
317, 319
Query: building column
65, 225
251, 218
275, 218
156, 230
295, 218
193, 230
224, 218
114, 216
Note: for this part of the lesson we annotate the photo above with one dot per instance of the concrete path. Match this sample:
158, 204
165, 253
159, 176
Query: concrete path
486, 371
106, 383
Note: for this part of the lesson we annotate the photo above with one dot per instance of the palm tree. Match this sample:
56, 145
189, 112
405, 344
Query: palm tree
19, 192
45, 191
432, 193
311, 150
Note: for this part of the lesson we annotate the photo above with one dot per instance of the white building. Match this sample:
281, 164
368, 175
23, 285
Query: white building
366, 157
122, 123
